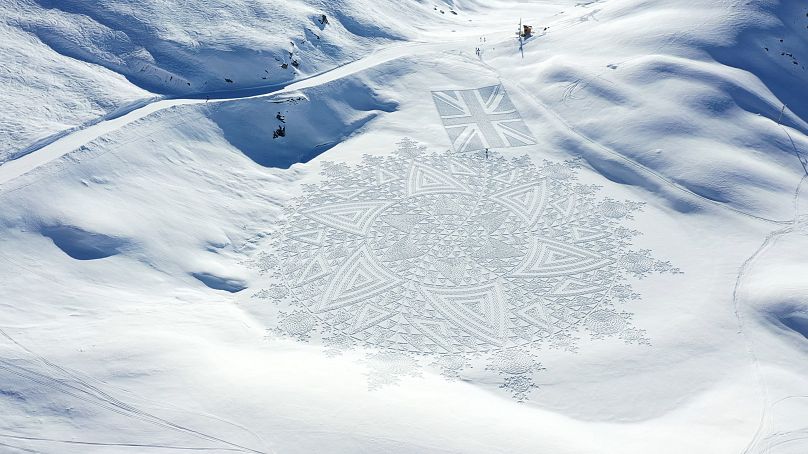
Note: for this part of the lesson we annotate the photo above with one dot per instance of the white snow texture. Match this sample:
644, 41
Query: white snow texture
303, 226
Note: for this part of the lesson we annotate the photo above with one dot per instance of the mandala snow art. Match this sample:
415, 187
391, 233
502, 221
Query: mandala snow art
481, 118
456, 261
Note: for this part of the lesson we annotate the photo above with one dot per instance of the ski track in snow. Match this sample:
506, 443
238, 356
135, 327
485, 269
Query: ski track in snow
65, 143
573, 131
770, 239
70, 140
569, 93
82, 390
121, 445
797, 222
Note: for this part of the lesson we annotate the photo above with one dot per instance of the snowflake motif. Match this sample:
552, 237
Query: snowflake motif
265, 263
336, 344
666, 267
450, 366
262, 294
409, 148
565, 341
559, 171
274, 292
298, 324
520, 386
331, 169
635, 336
637, 263
514, 361
454, 256
604, 323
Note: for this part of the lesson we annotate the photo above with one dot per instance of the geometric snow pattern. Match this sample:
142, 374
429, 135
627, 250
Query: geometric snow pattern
453, 256
553, 258
358, 280
481, 118
527, 200
479, 310
352, 217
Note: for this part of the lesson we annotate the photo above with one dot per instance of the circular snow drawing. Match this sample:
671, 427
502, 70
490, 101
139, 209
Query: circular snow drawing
446, 254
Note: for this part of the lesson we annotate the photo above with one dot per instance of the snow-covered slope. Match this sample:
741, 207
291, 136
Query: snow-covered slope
66, 61
280, 270
660, 98
55, 93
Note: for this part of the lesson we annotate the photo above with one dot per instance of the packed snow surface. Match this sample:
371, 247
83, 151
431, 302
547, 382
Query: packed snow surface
349, 226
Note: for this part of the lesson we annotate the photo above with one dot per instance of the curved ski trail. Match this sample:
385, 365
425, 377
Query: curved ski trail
75, 139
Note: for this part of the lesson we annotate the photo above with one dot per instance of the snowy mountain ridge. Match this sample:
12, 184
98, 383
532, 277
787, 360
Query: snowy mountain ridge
70, 49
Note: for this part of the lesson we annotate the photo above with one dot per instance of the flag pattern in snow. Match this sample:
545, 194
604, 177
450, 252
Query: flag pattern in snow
481, 118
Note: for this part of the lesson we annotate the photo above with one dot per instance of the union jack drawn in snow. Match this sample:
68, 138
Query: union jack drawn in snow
481, 118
